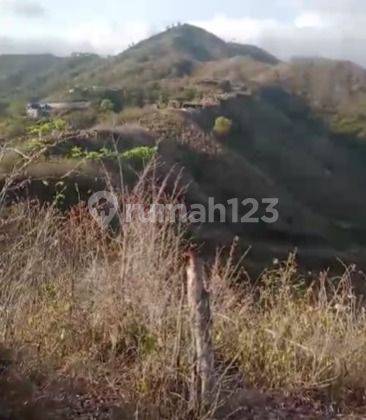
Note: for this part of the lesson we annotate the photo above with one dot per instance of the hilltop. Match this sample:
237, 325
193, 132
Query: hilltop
173, 53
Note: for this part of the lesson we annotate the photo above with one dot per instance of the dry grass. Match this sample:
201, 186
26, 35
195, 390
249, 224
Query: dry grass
286, 335
77, 301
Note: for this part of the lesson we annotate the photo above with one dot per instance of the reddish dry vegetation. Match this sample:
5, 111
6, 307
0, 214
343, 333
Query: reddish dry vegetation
98, 325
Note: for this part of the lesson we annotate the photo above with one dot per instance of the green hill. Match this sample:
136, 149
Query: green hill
287, 125
174, 53
27, 76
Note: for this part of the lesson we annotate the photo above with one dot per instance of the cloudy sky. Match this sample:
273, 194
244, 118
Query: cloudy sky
330, 28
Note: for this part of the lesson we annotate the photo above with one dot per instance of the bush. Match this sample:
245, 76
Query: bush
351, 126
222, 126
44, 128
106, 105
140, 154
136, 158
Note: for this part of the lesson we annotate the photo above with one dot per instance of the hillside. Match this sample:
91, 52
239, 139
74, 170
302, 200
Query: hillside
329, 84
194, 43
145, 70
277, 148
335, 89
27, 76
174, 53
284, 140
235, 69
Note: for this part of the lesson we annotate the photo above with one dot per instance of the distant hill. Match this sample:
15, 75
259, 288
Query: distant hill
19, 72
25, 76
195, 44
174, 53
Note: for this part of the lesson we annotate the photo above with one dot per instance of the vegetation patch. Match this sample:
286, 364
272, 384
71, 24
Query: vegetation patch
44, 128
223, 126
139, 155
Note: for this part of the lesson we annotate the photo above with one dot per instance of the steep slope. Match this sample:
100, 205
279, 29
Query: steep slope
278, 147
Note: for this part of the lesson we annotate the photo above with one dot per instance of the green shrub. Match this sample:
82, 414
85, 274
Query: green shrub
352, 126
106, 105
34, 145
222, 126
141, 154
76, 153
138, 156
44, 128
103, 153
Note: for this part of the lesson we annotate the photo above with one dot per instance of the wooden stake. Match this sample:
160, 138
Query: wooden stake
200, 314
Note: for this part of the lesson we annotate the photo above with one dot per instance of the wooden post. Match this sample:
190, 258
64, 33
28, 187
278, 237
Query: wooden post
200, 314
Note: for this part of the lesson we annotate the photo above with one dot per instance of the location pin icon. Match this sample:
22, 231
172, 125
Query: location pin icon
103, 206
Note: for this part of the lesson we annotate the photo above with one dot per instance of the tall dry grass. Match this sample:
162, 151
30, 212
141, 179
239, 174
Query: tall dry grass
305, 339
110, 307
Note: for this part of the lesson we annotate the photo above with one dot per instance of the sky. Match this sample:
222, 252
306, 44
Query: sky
286, 28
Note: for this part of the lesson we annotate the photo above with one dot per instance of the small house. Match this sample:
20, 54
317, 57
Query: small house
35, 110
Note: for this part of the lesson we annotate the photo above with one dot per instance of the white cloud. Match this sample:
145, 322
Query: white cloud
101, 37
316, 30
330, 28
107, 37
57, 46
331, 7
22, 8
238, 30
308, 20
